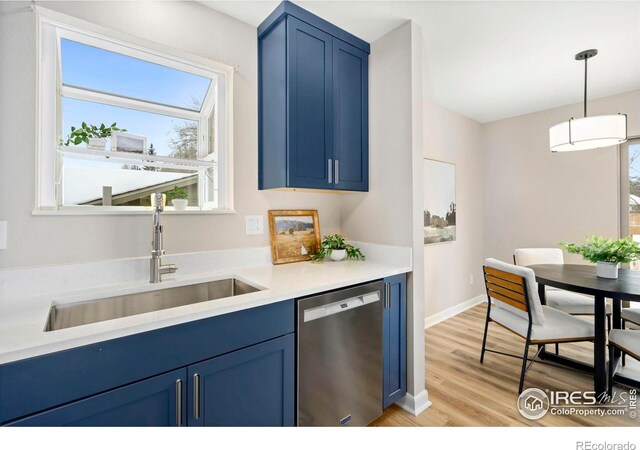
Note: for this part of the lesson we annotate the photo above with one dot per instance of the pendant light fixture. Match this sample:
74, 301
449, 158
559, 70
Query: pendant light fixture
588, 132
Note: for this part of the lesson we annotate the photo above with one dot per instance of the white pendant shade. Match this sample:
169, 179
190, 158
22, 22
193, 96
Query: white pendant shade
588, 132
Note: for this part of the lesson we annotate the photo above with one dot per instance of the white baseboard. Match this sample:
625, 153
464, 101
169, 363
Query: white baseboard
415, 405
453, 311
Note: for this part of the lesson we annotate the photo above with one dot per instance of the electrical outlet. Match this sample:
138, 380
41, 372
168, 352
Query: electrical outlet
470, 279
254, 225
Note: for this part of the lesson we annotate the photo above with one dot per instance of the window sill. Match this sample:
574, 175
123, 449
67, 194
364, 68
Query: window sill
139, 212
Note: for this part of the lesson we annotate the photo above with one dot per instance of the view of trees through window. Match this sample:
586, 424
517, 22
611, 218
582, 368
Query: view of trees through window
634, 193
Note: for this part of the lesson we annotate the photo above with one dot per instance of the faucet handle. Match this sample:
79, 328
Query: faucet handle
159, 206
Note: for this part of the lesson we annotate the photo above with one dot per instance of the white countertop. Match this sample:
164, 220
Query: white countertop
22, 319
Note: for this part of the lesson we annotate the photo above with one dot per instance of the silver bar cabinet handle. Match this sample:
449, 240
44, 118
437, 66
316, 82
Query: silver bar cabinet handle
330, 168
337, 170
196, 396
179, 402
387, 295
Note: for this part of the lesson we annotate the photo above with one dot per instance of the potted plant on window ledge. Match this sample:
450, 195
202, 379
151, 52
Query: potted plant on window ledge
94, 136
607, 254
336, 247
179, 198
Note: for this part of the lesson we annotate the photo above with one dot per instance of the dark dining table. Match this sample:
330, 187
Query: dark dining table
583, 279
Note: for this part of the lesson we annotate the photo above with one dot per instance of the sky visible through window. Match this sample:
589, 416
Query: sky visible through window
105, 71
101, 70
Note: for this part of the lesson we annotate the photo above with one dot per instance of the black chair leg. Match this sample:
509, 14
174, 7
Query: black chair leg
557, 348
611, 356
484, 339
624, 359
524, 366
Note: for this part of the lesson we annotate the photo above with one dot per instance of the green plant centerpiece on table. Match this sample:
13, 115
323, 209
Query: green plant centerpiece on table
335, 246
606, 253
178, 198
92, 135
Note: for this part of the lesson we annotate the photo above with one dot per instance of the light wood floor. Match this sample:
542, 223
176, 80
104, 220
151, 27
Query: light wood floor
467, 393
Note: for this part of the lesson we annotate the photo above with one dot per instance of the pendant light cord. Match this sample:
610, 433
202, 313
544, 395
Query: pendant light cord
585, 87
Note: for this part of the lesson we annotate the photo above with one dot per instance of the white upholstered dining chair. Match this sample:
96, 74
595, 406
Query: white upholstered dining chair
631, 315
513, 303
569, 302
628, 342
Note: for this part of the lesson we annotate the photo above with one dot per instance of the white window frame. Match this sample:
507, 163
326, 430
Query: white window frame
54, 26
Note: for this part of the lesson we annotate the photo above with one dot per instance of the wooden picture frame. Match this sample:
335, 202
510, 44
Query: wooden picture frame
295, 234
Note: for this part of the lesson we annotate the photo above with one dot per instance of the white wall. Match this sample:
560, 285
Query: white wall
186, 26
389, 212
453, 138
535, 198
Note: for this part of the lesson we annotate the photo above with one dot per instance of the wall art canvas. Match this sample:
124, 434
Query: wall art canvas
439, 201
295, 235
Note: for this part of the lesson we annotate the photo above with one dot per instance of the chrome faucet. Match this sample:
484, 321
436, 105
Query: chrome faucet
156, 269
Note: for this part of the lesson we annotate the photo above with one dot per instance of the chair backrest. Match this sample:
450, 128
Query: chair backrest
530, 256
514, 289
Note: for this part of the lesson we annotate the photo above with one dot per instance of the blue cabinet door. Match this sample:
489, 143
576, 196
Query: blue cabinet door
394, 335
309, 76
249, 387
158, 401
350, 117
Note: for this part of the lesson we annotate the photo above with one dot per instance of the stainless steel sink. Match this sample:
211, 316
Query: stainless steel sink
81, 313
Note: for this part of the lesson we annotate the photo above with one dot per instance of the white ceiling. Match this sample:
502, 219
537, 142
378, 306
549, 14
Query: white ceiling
491, 60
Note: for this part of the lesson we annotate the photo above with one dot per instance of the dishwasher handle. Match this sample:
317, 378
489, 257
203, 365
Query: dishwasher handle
340, 306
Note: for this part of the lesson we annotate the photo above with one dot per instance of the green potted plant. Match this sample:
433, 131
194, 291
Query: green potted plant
607, 254
178, 198
336, 247
92, 135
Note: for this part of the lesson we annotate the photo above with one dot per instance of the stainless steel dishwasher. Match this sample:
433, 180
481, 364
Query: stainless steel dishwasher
339, 349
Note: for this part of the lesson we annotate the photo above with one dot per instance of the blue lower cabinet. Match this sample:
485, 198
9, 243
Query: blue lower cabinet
245, 359
394, 332
249, 387
158, 401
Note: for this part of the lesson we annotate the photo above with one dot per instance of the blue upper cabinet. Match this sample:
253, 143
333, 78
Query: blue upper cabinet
309, 71
350, 117
313, 110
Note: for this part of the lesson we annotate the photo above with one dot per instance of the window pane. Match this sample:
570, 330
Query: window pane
101, 70
634, 190
84, 182
210, 187
170, 136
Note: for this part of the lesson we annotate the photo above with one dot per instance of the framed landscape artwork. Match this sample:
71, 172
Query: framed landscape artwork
295, 234
439, 201
127, 142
